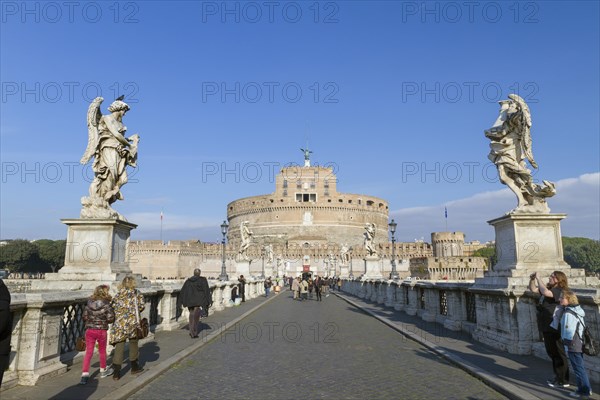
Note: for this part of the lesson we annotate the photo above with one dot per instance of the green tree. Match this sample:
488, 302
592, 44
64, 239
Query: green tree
51, 254
488, 252
582, 253
18, 255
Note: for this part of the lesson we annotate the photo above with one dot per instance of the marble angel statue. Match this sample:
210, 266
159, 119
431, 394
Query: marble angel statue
510, 148
112, 153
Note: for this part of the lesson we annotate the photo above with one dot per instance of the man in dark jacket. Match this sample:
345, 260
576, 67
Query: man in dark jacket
196, 296
5, 328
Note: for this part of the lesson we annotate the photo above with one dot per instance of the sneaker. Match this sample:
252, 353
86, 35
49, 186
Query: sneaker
556, 384
578, 395
107, 372
84, 380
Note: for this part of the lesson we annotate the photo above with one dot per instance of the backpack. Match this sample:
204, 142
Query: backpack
590, 346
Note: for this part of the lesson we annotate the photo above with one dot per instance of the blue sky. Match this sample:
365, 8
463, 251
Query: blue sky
394, 95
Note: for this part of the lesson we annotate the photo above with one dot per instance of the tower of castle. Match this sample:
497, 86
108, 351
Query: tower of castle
447, 244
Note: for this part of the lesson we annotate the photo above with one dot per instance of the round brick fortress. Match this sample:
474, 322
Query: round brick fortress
307, 210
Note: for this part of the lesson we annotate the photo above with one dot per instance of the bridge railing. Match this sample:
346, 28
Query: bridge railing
47, 324
503, 319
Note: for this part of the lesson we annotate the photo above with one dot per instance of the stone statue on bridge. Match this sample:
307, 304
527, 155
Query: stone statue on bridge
510, 147
344, 254
269, 253
112, 153
369, 238
246, 237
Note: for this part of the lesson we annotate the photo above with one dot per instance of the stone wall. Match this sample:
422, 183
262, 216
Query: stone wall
46, 325
155, 260
503, 319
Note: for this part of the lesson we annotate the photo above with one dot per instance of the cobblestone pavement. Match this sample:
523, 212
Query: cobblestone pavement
289, 349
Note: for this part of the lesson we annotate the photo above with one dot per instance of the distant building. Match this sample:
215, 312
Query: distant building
449, 260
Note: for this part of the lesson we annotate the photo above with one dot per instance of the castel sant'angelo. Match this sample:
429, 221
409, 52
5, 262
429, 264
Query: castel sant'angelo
304, 223
307, 210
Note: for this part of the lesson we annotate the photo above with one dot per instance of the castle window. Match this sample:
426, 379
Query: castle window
359, 201
326, 183
285, 183
284, 193
306, 197
312, 185
349, 201
369, 202
341, 200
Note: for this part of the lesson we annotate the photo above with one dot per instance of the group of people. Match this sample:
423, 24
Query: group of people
123, 312
561, 321
303, 287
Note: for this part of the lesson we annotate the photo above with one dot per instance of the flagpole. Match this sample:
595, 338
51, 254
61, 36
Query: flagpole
446, 215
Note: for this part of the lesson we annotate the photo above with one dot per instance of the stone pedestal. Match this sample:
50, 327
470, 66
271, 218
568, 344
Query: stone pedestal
527, 243
344, 272
268, 271
97, 252
242, 268
372, 268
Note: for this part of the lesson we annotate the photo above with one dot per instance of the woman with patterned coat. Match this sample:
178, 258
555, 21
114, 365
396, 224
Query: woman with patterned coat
126, 322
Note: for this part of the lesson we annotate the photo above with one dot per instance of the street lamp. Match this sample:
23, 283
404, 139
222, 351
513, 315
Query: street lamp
262, 254
223, 276
350, 275
394, 274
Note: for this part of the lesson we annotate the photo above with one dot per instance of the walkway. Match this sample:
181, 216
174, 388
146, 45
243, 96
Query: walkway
341, 348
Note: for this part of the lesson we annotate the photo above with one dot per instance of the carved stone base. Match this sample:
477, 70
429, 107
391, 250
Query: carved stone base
96, 253
242, 268
344, 272
527, 243
372, 268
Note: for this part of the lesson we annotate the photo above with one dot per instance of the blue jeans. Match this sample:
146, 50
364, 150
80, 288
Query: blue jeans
583, 382
267, 291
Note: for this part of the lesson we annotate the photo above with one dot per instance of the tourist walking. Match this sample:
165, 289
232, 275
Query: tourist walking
310, 288
127, 303
549, 299
97, 314
195, 295
339, 284
317, 284
5, 329
571, 329
296, 287
303, 290
268, 283
242, 286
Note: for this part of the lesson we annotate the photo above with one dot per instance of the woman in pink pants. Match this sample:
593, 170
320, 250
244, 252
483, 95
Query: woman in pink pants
97, 315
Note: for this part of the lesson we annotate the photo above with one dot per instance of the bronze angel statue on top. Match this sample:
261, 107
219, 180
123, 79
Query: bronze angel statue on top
112, 153
510, 147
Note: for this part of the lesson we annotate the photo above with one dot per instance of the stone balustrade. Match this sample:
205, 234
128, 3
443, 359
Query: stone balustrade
503, 319
47, 324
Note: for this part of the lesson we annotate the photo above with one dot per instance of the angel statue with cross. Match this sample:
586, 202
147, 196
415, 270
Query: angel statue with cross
112, 153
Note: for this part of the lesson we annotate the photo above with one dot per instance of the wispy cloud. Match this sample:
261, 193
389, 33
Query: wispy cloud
578, 197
